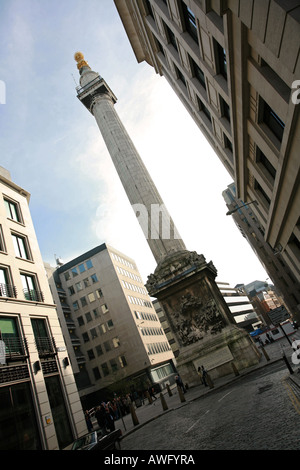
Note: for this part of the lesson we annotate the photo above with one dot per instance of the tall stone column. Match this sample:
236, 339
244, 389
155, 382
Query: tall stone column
183, 281
159, 229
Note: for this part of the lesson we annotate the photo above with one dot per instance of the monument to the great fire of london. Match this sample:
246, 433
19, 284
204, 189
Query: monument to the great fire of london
183, 282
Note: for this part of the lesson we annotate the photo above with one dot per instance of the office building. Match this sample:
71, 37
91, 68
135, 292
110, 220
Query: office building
115, 338
40, 405
274, 263
235, 66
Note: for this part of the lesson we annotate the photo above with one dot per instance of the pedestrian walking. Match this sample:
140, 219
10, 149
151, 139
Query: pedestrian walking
200, 374
101, 419
88, 421
151, 392
109, 416
204, 375
179, 383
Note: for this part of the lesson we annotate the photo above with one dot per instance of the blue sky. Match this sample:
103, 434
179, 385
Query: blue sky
52, 146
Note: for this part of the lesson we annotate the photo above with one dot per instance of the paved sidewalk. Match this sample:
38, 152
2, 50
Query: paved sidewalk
149, 412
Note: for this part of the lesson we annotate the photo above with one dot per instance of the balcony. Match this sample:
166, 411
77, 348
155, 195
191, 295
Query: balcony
13, 348
34, 295
8, 290
75, 340
46, 347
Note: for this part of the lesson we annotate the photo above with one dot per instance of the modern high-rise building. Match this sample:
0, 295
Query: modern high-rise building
116, 342
40, 405
235, 65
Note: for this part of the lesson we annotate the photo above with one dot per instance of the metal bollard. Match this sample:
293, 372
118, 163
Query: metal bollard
181, 395
135, 420
149, 397
169, 390
163, 402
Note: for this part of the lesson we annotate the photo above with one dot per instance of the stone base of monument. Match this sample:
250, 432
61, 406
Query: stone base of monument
217, 354
199, 318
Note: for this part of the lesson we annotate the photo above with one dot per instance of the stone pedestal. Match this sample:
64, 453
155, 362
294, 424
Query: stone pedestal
202, 324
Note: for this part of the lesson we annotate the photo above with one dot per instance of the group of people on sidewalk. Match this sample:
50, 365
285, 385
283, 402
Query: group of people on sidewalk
107, 413
203, 375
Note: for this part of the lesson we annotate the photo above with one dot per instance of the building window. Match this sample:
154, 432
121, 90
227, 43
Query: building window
204, 109
83, 301
99, 350
116, 342
9, 334
197, 72
294, 245
71, 290
85, 337
107, 346
260, 190
89, 264
75, 305
80, 321
67, 276
113, 365
6, 287
94, 278
81, 268
171, 37
228, 143
159, 46
180, 75
272, 120
190, 22
122, 361
21, 429
149, 8
30, 290
13, 210
88, 317
79, 286
225, 110
45, 344
110, 324
102, 329
91, 297
104, 308
21, 246
265, 163
221, 60
99, 293
105, 369
91, 354
95, 312
2, 243
74, 272
96, 373
94, 333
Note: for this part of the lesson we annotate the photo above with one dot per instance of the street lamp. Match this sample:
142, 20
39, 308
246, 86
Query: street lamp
240, 207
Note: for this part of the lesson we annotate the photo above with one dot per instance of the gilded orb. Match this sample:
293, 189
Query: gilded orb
78, 56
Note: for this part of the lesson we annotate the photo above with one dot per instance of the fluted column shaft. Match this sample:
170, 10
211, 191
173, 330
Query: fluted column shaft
140, 189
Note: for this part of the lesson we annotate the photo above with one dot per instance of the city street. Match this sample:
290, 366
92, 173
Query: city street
259, 411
